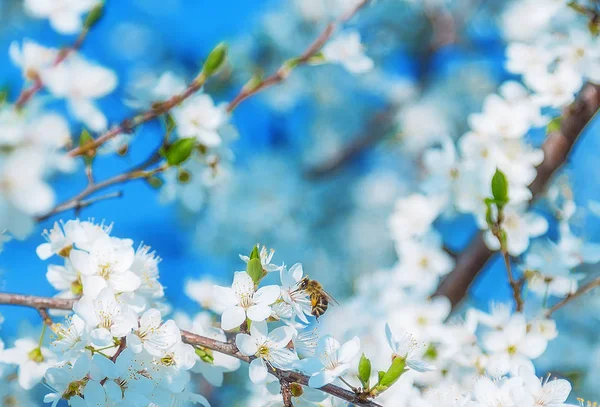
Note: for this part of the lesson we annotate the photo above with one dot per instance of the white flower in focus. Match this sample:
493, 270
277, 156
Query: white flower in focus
65, 279
107, 263
408, 349
537, 392
68, 381
152, 335
198, 117
122, 382
106, 317
331, 360
32, 58
265, 259
71, 337
64, 15
295, 302
346, 49
242, 301
520, 227
270, 348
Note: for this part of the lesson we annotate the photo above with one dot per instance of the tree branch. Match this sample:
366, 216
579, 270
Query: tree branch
582, 290
283, 72
37, 85
158, 109
556, 149
194, 340
78, 202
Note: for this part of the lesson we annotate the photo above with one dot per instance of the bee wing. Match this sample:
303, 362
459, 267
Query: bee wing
329, 297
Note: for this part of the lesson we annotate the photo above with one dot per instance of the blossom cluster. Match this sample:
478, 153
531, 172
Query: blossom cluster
115, 348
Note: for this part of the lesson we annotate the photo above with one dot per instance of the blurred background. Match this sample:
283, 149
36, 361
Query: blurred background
319, 160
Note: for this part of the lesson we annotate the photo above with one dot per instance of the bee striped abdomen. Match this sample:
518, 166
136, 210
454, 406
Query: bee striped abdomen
319, 305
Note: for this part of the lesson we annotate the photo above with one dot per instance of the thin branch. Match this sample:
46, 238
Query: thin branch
198, 341
283, 72
158, 109
375, 130
582, 290
45, 317
286, 393
37, 85
556, 150
127, 125
516, 285
78, 202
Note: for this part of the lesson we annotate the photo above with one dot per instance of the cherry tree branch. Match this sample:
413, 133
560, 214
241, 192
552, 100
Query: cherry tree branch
556, 149
284, 376
582, 290
37, 85
283, 72
158, 109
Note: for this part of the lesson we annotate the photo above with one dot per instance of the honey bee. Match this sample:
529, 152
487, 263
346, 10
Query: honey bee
319, 298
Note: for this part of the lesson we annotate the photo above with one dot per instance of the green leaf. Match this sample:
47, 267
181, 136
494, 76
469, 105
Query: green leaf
393, 373
180, 150
554, 125
86, 138
206, 355
94, 15
500, 188
255, 254
216, 59
169, 123
364, 370
255, 270
380, 375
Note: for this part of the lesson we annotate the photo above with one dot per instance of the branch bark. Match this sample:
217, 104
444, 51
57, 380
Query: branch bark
556, 148
194, 340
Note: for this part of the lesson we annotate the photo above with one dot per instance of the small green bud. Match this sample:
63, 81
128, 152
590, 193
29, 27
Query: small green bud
255, 270
364, 370
554, 125
394, 372
500, 188
206, 355
154, 182
94, 15
170, 123
296, 389
180, 150
183, 176
255, 254
36, 355
85, 138
216, 60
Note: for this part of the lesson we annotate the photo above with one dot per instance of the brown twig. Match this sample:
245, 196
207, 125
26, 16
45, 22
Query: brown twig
78, 202
376, 129
37, 85
158, 109
197, 341
304, 58
582, 290
556, 149
45, 317
286, 393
